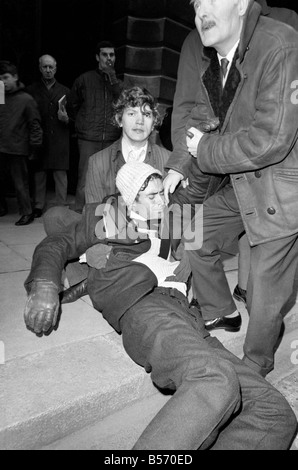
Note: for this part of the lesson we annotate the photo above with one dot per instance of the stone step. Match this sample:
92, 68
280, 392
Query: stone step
49, 395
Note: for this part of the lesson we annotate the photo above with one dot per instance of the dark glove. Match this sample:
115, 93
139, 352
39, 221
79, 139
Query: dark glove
42, 306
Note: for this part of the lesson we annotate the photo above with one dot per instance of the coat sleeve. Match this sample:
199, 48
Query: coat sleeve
184, 100
51, 255
34, 124
94, 190
272, 130
74, 99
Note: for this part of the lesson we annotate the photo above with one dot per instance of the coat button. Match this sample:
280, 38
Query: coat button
258, 174
271, 211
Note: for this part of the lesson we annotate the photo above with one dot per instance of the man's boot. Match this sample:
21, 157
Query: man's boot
74, 292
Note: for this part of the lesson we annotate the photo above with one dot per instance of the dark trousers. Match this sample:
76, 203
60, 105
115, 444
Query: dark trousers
219, 402
270, 284
86, 149
17, 166
40, 180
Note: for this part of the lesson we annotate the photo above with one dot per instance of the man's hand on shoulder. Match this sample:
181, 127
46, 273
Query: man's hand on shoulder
42, 307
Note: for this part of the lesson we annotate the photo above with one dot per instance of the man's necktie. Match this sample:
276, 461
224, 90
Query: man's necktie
223, 69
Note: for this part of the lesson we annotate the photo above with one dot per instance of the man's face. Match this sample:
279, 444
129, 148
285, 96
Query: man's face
10, 82
151, 202
219, 23
48, 68
137, 124
106, 58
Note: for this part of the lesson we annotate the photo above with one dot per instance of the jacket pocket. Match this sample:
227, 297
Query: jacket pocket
286, 188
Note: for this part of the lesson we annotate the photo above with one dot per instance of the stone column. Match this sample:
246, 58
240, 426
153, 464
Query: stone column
148, 36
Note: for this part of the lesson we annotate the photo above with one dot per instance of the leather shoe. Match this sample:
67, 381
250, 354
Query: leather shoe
239, 294
37, 213
74, 292
25, 220
232, 324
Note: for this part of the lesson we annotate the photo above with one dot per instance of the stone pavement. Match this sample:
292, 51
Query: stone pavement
77, 388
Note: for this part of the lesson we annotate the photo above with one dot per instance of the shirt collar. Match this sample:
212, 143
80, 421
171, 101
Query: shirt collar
230, 55
132, 153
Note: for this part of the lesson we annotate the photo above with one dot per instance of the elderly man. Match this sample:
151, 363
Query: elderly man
54, 156
247, 82
219, 402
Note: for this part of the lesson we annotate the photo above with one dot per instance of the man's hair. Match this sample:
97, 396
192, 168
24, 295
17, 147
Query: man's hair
132, 98
102, 45
8, 67
47, 55
154, 176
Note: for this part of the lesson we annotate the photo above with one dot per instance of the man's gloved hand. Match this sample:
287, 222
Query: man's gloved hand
42, 306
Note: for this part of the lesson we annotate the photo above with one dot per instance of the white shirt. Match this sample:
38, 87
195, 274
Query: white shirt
131, 153
161, 267
230, 57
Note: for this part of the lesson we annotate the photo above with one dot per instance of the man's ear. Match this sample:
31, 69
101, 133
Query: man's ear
118, 120
97, 57
242, 6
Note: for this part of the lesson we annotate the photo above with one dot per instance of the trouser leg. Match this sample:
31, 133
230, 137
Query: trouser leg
221, 223
60, 178
160, 334
20, 176
40, 181
3, 178
270, 284
265, 421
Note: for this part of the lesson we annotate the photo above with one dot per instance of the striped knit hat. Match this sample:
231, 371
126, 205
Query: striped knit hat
131, 177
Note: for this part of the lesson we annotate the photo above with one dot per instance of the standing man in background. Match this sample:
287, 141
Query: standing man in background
90, 105
55, 150
21, 138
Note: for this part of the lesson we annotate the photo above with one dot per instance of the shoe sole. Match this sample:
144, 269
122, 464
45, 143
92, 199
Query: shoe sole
230, 330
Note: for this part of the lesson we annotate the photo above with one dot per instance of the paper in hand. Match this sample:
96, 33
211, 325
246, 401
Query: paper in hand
62, 102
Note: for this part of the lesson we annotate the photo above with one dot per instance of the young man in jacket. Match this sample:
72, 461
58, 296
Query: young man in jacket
253, 157
90, 105
20, 139
136, 114
55, 150
219, 402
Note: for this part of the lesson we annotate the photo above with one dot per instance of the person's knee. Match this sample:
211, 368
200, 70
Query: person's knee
217, 380
56, 219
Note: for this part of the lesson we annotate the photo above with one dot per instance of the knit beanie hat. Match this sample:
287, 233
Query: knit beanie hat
131, 177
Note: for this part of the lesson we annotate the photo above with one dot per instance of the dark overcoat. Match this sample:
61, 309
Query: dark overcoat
55, 149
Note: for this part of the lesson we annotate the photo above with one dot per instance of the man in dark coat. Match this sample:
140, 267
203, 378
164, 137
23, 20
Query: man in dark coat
20, 139
90, 105
55, 151
219, 403
253, 160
